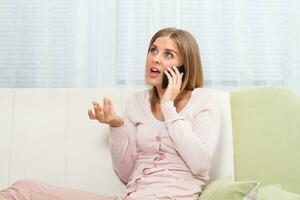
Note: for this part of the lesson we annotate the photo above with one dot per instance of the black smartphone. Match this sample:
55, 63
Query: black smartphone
165, 80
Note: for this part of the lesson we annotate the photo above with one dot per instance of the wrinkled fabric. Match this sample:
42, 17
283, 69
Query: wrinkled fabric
36, 190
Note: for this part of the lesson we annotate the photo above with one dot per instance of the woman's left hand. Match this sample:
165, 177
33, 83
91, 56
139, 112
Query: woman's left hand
175, 81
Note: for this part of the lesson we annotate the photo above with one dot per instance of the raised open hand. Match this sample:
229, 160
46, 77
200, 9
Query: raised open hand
105, 114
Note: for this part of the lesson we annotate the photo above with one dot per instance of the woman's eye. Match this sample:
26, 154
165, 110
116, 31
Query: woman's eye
168, 54
153, 50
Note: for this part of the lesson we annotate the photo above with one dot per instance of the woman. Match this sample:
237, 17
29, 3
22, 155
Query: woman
162, 146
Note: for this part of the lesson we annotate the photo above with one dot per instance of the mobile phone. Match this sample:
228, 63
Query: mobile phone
165, 80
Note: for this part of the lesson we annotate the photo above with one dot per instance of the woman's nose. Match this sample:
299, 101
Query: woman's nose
156, 58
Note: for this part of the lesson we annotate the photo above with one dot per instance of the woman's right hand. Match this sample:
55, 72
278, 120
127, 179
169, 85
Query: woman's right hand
105, 114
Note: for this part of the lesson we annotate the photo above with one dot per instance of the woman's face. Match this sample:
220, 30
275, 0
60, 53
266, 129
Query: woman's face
162, 54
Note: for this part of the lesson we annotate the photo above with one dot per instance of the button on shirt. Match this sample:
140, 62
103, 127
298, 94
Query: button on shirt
170, 159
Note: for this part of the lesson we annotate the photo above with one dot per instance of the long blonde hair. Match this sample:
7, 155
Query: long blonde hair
189, 51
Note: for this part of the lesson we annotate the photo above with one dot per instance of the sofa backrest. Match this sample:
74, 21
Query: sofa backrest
45, 134
266, 132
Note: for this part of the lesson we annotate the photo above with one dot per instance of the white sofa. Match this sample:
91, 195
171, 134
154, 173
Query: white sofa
45, 134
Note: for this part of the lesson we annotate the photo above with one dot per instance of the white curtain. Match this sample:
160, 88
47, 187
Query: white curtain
96, 43
35, 43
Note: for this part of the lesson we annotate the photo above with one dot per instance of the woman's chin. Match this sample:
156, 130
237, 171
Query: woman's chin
152, 82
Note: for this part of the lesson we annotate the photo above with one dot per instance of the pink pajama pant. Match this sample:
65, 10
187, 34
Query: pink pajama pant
35, 190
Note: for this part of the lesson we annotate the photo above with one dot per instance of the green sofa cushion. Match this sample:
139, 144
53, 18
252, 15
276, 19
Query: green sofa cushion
227, 189
266, 136
275, 192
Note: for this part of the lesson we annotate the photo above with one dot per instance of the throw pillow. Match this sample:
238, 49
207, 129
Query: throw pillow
275, 192
228, 189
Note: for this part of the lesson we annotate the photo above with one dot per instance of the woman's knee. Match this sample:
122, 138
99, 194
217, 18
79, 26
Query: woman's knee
26, 183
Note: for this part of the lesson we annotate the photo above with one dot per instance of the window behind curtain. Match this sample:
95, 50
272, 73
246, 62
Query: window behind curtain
36, 43
94, 43
242, 43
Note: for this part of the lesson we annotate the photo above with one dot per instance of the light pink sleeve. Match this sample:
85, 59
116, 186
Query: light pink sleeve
195, 145
123, 148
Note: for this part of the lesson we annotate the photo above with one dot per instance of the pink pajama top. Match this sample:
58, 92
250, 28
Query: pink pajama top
170, 159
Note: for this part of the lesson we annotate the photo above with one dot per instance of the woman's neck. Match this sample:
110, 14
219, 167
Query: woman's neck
183, 95
160, 92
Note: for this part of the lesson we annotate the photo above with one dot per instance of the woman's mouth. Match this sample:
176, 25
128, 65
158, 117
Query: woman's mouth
154, 72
